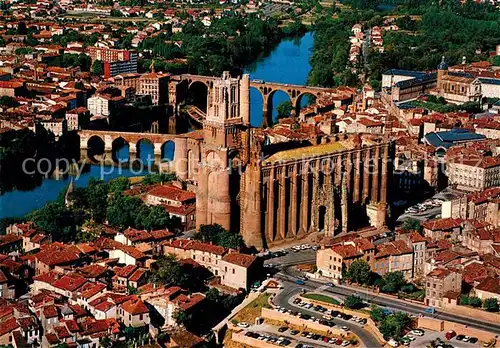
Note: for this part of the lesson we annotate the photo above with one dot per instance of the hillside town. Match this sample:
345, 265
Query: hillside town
363, 213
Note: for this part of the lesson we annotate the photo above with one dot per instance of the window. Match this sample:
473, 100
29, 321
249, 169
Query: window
234, 271
140, 317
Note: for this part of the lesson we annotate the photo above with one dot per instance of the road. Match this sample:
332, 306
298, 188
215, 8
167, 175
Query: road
291, 289
392, 303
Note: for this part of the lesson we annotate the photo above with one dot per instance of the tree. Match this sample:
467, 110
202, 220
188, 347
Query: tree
122, 211
393, 281
284, 109
8, 101
377, 313
182, 318
158, 178
412, 225
353, 302
475, 302
393, 325
97, 199
118, 185
491, 304
152, 217
55, 219
212, 295
216, 234
359, 272
98, 68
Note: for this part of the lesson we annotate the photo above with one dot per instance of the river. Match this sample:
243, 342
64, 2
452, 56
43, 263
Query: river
287, 63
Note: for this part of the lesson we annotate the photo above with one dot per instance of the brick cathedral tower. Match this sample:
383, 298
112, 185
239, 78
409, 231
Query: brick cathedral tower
224, 151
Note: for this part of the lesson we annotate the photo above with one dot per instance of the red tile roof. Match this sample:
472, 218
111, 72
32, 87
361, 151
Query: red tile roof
188, 301
61, 332
135, 306
442, 224
70, 282
137, 275
346, 250
125, 271
135, 235
92, 271
475, 272
188, 244
8, 325
58, 254
173, 193
489, 284
92, 289
241, 260
50, 311
161, 234
439, 273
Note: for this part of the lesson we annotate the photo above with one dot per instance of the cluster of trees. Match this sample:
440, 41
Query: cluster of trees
392, 282
489, 304
390, 325
99, 202
229, 44
217, 235
440, 106
68, 60
449, 29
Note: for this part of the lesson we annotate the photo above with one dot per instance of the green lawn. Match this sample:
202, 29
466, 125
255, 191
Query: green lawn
253, 309
322, 298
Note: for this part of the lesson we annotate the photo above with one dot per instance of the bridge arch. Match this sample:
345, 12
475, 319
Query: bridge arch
256, 107
120, 150
271, 102
168, 151
95, 146
304, 99
145, 151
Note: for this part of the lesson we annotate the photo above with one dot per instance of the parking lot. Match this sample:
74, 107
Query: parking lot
293, 337
432, 335
290, 256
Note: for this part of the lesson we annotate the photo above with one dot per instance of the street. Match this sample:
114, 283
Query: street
391, 303
292, 289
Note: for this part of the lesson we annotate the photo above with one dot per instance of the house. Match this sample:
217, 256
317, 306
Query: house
168, 300
331, 262
439, 282
441, 228
237, 270
394, 256
134, 313
488, 288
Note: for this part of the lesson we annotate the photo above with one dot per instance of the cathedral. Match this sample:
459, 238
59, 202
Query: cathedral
272, 191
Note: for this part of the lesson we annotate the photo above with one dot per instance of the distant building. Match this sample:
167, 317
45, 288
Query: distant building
474, 174
104, 104
116, 61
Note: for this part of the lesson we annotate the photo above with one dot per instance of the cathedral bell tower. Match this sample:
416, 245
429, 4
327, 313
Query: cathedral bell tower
225, 135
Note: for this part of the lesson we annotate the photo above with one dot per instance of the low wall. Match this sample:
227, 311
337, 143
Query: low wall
474, 313
275, 315
430, 324
253, 342
460, 329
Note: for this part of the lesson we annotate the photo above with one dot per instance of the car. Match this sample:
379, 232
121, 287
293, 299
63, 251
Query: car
393, 343
285, 342
300, 282
316, 337
345, 343
249, 334
304, 316
310, 335
417, 332
304, 333
345, 328
309, 305
283, 329
332, 340
330, 324
473, 340
300, 345
322, 309
294, 332
347, 317
294, 313
450, 334
327, 317
459, 337
323, 322
243, 324
330, 285
466, 339
430, 310
297, 301
334, 313
363, 321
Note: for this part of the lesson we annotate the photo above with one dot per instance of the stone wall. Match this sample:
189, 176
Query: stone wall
460, 329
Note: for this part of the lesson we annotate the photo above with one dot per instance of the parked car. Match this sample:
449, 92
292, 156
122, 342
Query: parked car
393, 343
459, 337
283, 329
473, 340
417, 332
243, 324
294, 332
450, 334
330, 285
300, 282
345, 328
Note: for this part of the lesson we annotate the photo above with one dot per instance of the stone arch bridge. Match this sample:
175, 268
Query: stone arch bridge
266, 89
186, 146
